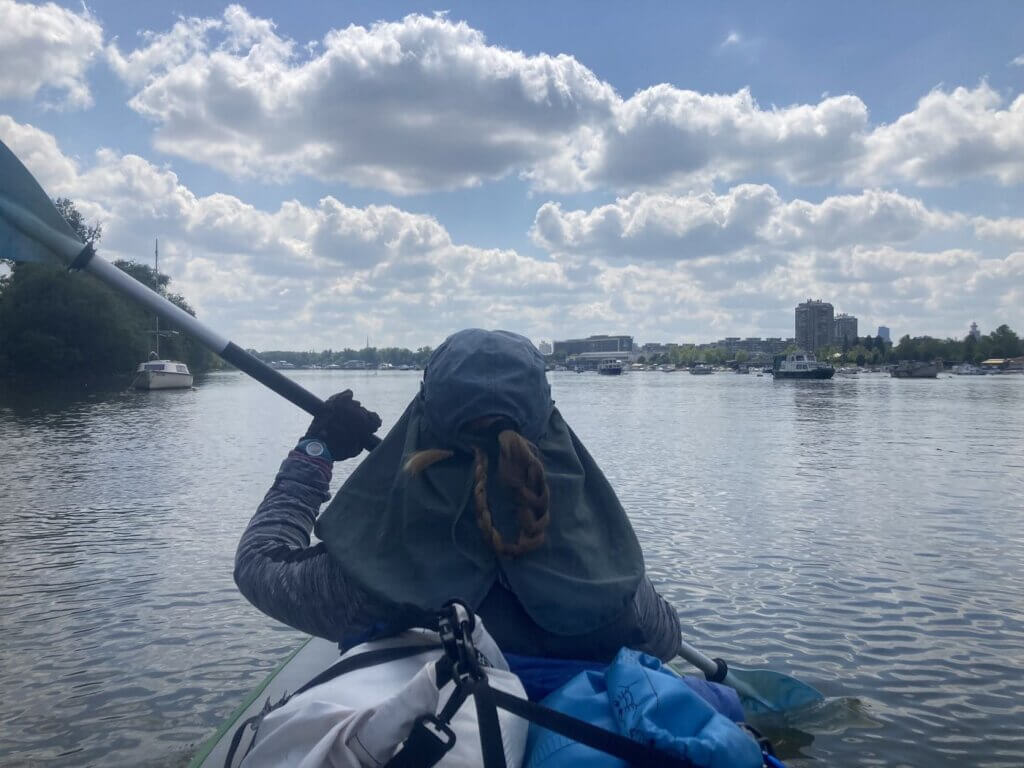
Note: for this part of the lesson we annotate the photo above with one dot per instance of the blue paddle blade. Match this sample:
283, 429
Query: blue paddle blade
25, 211
762, 690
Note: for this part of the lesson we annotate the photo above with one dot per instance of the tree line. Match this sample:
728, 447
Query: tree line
1000, 343
57, 324
372, 356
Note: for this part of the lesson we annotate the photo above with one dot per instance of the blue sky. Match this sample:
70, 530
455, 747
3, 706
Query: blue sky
681, 172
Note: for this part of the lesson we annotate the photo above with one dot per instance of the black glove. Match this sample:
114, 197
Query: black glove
344, 426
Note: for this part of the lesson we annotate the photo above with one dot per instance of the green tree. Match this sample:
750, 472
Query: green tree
87, 233
1004, 343
56, 322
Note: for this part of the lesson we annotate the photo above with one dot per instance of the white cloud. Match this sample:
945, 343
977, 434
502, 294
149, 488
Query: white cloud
46, 48
665, 137
949, 137
999, 229
162, 51
1019, 61
419, 104
644, 227
425, 103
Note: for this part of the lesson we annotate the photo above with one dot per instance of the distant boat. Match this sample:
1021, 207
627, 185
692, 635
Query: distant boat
968, 369
156, 373
610, 368
915, 370
701, 369
801, 365
162, 374
848, 371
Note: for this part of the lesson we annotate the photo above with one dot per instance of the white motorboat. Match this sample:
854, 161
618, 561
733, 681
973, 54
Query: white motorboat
162, 374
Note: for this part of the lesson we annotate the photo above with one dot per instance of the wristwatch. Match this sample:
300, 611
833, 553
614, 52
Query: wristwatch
314, 448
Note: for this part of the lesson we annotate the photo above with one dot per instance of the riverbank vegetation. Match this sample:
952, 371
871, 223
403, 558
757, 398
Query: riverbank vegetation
59, 324
371, 356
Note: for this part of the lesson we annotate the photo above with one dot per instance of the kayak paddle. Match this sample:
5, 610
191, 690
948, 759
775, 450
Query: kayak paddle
760, 690
32, 229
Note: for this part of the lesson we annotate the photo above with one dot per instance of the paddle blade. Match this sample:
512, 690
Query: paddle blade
31, 227
762, 690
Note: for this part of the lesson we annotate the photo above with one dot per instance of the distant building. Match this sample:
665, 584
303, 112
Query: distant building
814, 325
844, 330
974, 332
754, 346
613, 345
883, 331
545, 348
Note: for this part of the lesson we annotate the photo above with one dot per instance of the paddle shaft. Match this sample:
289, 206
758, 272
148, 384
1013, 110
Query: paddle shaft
698, 659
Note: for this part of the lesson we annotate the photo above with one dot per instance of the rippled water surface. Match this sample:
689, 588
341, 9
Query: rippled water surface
863, 534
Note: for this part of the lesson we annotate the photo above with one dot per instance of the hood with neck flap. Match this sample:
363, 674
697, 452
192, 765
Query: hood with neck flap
413, 540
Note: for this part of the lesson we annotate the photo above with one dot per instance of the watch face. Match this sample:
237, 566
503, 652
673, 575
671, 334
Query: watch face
314, 448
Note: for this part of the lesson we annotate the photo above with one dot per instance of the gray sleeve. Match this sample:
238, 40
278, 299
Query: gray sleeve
279, 573
658, 622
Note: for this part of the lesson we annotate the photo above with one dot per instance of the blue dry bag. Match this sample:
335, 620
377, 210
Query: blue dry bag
638, 698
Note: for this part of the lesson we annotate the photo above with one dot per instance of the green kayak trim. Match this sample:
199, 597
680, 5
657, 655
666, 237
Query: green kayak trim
211, 743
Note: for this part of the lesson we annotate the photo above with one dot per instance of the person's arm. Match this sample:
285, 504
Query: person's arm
279, 573
275, 568
658, 622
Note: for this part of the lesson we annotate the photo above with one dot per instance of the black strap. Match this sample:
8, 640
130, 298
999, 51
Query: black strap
339, 668
491, 745
236, 739
428, 741
367, 659
633, 752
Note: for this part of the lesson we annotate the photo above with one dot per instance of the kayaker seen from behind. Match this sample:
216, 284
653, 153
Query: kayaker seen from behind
480, 492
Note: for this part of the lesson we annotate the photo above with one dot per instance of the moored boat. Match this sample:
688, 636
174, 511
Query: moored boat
701, 369
968, 369
610, 368
801, 365
911, 369
156, 373
162, 374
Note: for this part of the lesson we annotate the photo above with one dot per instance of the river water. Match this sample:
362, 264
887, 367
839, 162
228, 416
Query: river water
864, 534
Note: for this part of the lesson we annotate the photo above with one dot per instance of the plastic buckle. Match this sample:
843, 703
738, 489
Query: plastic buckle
429, 740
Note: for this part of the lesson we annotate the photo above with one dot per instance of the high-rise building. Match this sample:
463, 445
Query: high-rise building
883, 331
975, 332
814, 325
844, 330
545, 348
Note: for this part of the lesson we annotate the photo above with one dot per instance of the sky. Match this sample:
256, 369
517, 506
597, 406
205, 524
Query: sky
323, 173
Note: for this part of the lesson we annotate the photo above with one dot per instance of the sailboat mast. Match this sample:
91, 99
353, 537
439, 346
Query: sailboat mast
156, 270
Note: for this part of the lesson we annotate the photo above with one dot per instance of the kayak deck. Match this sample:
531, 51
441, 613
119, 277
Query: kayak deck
303, 664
